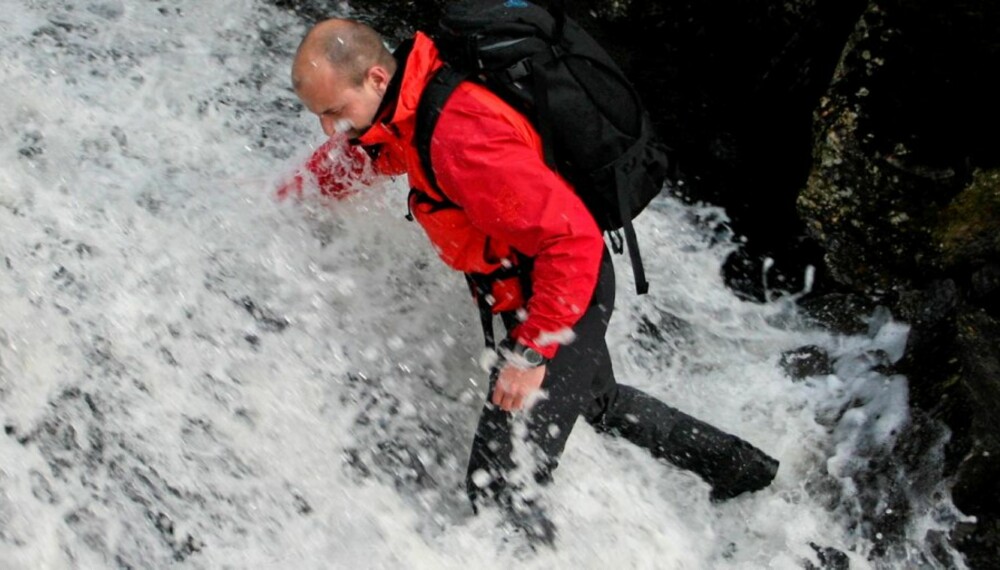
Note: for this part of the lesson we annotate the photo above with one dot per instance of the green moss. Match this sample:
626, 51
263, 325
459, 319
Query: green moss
969, 227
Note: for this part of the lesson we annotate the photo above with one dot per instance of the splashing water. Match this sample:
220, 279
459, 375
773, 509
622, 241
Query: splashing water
194, 375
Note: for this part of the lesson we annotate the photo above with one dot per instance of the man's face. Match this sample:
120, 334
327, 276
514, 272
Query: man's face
342, 105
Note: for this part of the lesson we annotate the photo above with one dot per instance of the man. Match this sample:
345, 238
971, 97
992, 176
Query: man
497, 209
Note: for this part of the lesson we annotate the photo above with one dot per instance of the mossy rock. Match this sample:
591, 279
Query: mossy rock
968, 231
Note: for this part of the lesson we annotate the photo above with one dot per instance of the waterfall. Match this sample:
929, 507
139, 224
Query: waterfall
194, 374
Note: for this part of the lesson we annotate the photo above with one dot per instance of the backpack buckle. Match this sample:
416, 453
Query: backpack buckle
518, 71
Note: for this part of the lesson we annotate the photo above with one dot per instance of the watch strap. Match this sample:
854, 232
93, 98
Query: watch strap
520, 355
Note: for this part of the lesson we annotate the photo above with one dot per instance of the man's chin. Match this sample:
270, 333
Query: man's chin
357, 132
349, 135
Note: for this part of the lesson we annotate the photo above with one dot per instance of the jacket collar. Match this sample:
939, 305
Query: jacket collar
417, 60
388, 105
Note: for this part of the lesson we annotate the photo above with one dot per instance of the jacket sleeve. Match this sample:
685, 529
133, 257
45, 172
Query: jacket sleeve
491, 165
334, 167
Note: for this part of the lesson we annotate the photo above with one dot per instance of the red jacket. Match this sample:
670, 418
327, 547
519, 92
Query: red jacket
488, 161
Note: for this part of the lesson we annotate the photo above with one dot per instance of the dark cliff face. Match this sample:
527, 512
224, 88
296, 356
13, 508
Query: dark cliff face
733, 86
904, 198
858, 137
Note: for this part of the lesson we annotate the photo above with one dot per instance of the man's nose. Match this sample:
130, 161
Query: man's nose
328, 126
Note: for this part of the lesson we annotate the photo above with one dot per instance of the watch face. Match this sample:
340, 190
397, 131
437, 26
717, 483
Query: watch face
532, 356
528, 356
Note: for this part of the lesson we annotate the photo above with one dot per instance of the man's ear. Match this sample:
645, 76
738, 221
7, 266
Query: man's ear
379, 77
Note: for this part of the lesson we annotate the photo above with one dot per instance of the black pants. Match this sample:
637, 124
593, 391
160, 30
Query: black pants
580, 381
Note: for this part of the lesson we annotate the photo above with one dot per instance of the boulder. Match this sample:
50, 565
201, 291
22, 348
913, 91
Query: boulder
903, 197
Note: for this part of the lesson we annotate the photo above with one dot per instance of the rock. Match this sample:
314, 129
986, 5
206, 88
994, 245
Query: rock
979, 542
976, 491
806, 361
841, 312
904, 196
966, 229
829, 559
985, 288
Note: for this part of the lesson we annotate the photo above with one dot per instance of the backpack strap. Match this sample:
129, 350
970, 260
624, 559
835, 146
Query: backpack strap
638, 271
479, 285
544, 120
625, 211
442, 84
432, 101
558, 10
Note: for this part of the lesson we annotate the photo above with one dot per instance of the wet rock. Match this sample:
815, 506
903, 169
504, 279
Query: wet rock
966, 229
397, 445
182, 546
886, 188
976, 491
88, 526
979, 542
662, 334
903, 197
302, 506
985, 288
267, 319
829, 559
42, 489
930, 355
840, 312
806, 361
32, 144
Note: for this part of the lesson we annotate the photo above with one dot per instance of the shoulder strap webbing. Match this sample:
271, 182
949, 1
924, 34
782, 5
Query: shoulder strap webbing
432, 101
558, 10
638, 271
435, 95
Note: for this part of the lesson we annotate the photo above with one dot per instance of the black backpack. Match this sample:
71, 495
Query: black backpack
594, 130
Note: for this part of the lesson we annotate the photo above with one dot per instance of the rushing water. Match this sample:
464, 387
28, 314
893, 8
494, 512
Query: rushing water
195, 375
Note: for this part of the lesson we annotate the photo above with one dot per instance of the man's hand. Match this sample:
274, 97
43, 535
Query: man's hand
515, 385
335, 166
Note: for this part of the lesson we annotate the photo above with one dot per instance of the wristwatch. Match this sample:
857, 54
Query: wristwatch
521, 355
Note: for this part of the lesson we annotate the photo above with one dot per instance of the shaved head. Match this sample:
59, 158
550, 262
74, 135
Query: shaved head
341, 72
349, 46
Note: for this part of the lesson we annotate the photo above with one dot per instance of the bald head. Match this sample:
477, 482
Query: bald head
341, 72
349, 46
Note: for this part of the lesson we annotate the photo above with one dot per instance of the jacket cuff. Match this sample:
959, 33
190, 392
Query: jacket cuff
546, 344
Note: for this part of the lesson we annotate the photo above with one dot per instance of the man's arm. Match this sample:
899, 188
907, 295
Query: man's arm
492, 167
